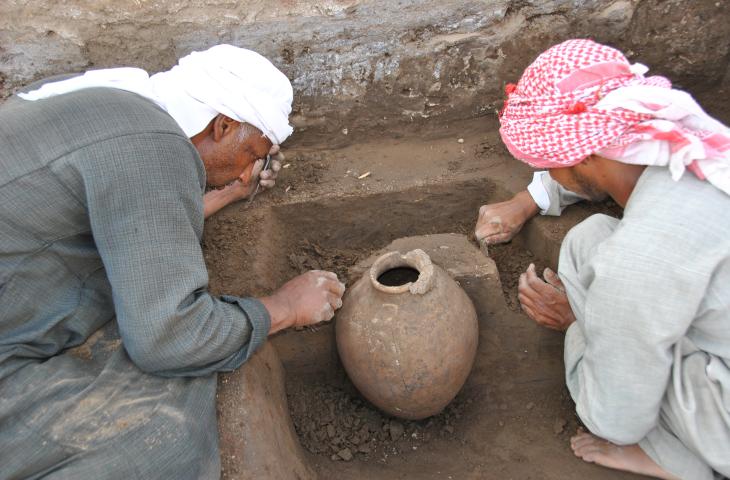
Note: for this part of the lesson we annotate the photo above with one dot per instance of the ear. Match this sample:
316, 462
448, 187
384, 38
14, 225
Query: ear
222, 126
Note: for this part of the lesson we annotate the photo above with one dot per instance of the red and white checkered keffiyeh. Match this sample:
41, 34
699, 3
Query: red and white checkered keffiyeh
581, 98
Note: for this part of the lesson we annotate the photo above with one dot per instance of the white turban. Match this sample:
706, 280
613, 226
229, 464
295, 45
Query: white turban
236, 82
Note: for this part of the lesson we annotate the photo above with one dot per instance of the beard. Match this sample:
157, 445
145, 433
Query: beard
587, 188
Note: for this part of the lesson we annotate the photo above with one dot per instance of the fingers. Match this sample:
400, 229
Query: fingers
249, 175
325, 315
489, 228
274, 149
329, 281
539, 285
335, 301
553, 279
267, 179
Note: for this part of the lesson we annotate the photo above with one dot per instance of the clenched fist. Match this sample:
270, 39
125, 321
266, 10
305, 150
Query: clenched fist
500, 222
310, 298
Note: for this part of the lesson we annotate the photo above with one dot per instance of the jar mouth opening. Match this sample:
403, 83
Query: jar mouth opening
398, 273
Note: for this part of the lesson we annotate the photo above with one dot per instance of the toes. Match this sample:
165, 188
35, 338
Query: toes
582, 440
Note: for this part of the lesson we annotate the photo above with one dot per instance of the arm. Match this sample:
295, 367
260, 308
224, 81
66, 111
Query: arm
500, 222
215, 200
244, 186
143, 196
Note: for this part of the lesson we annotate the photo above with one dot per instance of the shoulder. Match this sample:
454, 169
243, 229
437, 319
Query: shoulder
683, 223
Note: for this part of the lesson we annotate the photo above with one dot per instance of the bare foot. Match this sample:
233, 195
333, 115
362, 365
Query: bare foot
629, 458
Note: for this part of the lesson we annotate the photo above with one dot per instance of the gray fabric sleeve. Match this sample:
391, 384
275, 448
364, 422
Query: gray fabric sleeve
144, 198
641, 297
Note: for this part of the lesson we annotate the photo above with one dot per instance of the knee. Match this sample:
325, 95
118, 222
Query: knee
591, 231
582, 238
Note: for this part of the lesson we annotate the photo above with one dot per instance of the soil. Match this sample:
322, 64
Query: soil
512, 419
512, 260
346, 426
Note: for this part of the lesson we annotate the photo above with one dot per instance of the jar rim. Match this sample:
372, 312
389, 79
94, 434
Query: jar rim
416, 259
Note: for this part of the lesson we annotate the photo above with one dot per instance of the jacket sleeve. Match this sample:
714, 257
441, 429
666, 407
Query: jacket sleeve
144, 199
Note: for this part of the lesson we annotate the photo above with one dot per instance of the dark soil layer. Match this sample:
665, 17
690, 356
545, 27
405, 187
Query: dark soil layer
345, 426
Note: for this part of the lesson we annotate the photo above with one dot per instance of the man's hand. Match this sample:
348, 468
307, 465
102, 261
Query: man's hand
500, 222
307, 299
245, 184
545, 301
267, 179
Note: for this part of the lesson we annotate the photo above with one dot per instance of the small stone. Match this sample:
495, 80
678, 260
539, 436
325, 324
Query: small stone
334, 457
461, 140
559, 426
530, 406
449, 429
396, 430
330, 430
364, 448
345, 131
345, 454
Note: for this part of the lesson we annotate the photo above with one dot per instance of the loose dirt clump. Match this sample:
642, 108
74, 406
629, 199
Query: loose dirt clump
310, 256
512, 261
338, 424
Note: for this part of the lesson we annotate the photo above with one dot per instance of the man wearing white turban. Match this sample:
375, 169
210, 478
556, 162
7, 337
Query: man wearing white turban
109, 339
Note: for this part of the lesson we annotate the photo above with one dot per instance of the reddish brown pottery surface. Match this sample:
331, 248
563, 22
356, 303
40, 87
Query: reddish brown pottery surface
408, 349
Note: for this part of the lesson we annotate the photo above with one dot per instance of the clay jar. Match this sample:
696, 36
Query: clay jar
407, 344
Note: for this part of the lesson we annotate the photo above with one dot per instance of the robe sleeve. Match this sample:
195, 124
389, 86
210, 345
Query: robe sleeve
644, 285
144, 199
550, 197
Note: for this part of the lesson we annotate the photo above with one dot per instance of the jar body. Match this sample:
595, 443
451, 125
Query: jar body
408, 352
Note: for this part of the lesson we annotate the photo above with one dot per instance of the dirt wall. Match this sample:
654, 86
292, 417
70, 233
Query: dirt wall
360, 65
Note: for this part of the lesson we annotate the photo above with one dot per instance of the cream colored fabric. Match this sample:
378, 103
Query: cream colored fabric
224, 79
648, 359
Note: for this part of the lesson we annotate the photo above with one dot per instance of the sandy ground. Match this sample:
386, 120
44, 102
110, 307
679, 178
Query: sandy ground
332, 209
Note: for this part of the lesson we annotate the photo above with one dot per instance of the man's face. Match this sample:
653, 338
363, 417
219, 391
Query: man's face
227, 155
579, 179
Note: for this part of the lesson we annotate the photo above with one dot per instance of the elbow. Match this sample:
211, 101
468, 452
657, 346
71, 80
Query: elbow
149, 357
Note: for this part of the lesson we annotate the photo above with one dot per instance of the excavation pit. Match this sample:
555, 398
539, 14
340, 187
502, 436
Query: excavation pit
292, 412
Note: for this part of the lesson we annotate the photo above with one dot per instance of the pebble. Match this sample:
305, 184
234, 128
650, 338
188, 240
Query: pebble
529, 406
364, 448
449, 429
345, 454
461, 140
396, 430
559, 426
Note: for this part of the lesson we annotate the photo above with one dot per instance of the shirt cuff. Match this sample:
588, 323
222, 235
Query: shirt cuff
538, 192
260, 321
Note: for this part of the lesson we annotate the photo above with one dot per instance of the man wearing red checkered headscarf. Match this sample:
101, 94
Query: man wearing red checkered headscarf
643, 300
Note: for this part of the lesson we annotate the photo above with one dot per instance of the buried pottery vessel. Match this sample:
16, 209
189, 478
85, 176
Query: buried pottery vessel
407, 335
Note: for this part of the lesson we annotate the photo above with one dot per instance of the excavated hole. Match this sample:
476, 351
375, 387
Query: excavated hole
512, 414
